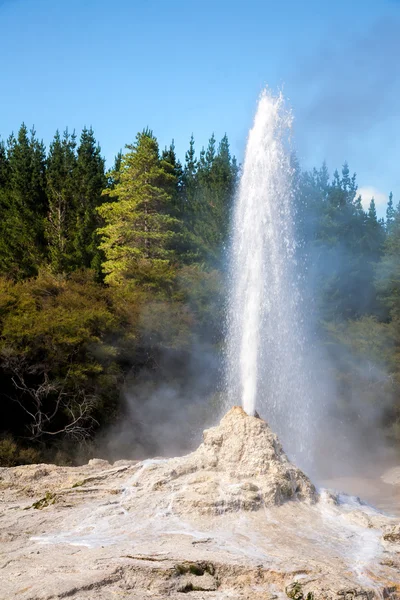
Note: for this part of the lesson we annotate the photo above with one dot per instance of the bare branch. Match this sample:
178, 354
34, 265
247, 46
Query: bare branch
44, 402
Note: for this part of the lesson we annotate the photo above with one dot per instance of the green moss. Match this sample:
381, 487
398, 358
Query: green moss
48, 500
11, 454
78, 483
295, 591
197, 569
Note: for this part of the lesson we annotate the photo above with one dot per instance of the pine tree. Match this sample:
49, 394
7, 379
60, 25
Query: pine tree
60, 223
24, 206
215, 180
372, 216
210, 154
39, 202
139, 230
175, 168
118, 162
388, 273
90, 182
20, 157
4, 166
390, 213
189, 179
346, 247
375, 235
191, 161
224, 178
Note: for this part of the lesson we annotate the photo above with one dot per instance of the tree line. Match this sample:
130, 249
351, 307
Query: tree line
101, 274
351, 265
105, 273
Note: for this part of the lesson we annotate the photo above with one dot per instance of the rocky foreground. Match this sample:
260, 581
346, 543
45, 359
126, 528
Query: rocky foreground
234, 519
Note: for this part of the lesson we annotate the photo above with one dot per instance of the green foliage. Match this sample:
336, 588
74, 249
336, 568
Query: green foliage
209, 186
78, 483
203, 292
23, 204
342, 243
390, 213
295, 591
55, 354
197, 569
12, 454
101, 274
139, 230
90, 182
48, 500
61, 219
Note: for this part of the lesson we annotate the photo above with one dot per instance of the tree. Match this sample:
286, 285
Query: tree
139, 230
27, 162
374, 236
210, 153
189, 179
343, 244
90, 182
390, 213
55, 362
60, 224
175, 168
211, 202
4, 166
388, 273
24, 205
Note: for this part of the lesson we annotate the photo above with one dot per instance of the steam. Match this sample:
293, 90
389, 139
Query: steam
167, 404
278, 364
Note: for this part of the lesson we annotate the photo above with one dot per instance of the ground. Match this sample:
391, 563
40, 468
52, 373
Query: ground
234, 519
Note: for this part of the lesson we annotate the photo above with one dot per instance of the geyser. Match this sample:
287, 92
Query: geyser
266, 342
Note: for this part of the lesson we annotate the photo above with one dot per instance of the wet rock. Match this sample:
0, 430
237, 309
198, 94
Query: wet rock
239, 466
392, 534
234, 519
98, 462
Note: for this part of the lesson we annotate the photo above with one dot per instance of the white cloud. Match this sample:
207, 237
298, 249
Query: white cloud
368, 192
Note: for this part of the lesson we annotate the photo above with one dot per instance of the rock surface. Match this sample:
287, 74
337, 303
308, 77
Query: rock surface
234, 519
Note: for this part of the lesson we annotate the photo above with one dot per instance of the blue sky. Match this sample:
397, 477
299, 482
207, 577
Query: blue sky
190, 66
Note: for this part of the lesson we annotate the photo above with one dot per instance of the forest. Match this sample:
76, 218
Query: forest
114, 281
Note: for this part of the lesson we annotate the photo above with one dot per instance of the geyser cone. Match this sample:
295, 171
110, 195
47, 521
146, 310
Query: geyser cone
239, 466
234, 519
266, 344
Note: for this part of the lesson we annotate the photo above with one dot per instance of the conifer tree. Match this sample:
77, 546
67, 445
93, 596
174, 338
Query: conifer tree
24, 206
216, 181
139, 230
4, 166
388, 273
375, 235
390, 213
118, 162
210, 154
60, 224
372, 216
189, 178
90, 181
39, 202
175, 168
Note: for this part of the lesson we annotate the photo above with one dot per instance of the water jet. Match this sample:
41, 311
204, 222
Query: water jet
266, 366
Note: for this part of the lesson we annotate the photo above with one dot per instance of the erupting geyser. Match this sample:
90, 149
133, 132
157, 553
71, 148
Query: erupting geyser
266, 366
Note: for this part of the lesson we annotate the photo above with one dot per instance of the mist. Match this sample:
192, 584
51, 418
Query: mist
166, 405
347, 397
